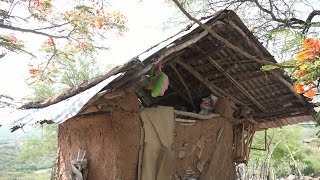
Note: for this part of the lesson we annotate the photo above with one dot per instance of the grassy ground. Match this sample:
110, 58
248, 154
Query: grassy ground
24, 176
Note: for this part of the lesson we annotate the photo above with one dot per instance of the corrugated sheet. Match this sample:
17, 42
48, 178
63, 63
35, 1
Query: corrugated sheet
57, 113
286, 121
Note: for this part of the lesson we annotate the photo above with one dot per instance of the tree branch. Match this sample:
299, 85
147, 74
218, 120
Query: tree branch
51, 27
226, 42
51, 57
309, 19
32, 31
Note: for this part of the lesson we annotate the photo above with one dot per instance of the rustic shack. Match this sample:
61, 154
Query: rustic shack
130, 132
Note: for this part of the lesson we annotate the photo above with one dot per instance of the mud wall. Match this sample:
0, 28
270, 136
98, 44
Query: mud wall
204, 150
110, 139
112, 144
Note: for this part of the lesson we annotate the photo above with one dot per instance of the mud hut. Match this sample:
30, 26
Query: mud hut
129, 133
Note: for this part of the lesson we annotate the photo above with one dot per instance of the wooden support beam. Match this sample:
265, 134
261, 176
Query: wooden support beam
248, 41
288, 85
278, 117
213, 88
185, 120
238, 85
234, 82
184, 84
196, 115
280, 111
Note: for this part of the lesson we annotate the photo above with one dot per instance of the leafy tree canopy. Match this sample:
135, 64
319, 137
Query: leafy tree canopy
67, 29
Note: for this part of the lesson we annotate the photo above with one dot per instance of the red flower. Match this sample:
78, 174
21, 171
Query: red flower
12, 38
312, 44
310, 49
305, 55
299, 88
300, 73
49, 42
310, 93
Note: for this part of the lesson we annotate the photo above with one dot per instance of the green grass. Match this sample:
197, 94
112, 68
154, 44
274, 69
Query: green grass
24, 176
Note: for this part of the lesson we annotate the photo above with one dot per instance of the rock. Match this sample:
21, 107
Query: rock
199, 155
200, 166
201, 141
292, 177
181, 154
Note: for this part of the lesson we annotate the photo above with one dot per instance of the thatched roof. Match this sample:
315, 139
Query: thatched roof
197, 65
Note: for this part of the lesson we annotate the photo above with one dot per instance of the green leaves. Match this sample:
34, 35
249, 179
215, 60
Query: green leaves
306, 155
269, 67
289, 63
290, 38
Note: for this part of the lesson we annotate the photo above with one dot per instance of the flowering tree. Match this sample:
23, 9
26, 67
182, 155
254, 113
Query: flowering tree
62, 38
307, 71
68, 28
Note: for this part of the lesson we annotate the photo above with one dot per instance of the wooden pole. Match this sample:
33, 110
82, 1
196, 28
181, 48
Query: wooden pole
184, 84
213, 88
195, 115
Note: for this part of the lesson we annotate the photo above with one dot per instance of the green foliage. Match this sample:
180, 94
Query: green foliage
68, 74
281, 163
290, 38
38, 147
318, 122
75, 72
272, 67
11, 167
42, 90
24, 176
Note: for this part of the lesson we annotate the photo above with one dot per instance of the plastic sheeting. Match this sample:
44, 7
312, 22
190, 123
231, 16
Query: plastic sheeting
57, 113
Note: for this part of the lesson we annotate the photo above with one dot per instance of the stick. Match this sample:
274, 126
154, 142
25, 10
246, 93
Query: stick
184, 84
195, 115
185, 120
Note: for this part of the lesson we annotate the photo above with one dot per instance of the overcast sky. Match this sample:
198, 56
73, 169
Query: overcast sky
146, 28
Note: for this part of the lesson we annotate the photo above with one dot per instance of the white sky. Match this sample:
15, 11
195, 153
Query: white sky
146, 28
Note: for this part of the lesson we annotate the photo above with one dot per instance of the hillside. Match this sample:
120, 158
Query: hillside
13, 165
